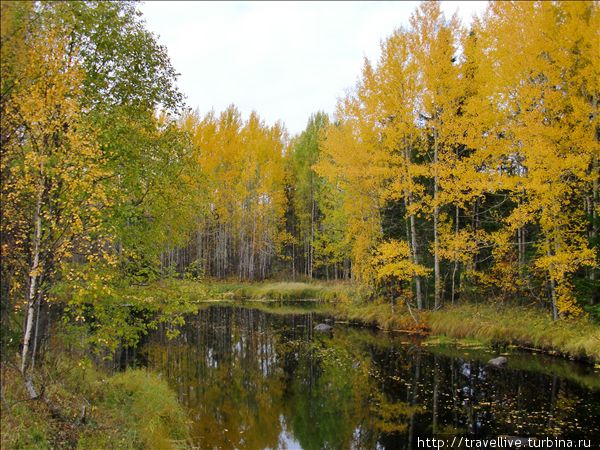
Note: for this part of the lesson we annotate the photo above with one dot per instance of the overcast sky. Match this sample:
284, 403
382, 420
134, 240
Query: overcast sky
284, 60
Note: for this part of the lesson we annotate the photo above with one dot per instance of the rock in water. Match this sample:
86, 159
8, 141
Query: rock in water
500, 361
323, 327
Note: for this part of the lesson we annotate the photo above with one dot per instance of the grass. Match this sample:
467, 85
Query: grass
380, 315
487, 324
521, 326
143, 408
130, 410
283, 290
169, 290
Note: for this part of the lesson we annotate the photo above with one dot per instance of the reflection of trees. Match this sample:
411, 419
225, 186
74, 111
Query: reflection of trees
250, 379
227, 376
323, 404
334, 398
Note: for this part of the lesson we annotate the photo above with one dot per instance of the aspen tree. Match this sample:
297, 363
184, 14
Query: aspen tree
394, 99
433, 46
240, 165
551, 139
353, 161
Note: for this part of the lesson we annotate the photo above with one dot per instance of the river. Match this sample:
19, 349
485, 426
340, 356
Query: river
263, 378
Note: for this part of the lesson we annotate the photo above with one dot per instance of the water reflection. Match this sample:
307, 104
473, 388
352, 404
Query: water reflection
255, 380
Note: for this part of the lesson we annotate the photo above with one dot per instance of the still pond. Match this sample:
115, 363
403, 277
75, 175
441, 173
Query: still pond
263, 378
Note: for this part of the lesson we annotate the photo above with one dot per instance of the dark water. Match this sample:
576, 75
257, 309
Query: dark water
255, 380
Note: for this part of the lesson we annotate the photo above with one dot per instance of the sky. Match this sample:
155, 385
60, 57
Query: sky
284, 60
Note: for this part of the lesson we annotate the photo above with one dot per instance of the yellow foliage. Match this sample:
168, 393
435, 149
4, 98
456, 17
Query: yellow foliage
448, 120
51, 162
393, 261
240, 165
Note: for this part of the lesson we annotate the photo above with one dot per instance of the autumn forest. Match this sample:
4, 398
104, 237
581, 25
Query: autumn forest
457, 182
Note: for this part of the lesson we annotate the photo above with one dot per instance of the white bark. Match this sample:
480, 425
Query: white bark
455, 269
413, 235
552, 284
33, 278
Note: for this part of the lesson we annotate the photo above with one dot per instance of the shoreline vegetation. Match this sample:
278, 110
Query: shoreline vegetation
83, 406
491, 324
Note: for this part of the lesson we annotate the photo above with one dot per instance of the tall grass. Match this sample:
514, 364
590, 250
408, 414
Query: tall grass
521, 326
189, 291
490, 324
282, 290
143, 409
131, 410
382, 315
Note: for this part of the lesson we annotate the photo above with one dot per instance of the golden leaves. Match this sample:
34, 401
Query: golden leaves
393, 260
51, 155
511, 116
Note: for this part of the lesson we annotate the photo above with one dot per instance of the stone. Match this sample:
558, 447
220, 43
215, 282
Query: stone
323, 327
500, 361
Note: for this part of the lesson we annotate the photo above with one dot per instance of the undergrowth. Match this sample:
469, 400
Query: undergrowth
521, 326
129, 410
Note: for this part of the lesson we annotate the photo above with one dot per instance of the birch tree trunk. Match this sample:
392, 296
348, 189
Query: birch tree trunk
33, 278
413, 247
593, 207
455, 269
413, 230
552, 284
312, 234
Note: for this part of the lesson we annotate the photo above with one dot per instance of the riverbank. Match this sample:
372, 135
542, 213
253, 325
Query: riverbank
82, 406
489, 323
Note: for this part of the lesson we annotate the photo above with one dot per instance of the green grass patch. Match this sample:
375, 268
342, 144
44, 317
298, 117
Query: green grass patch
142, 410
381, 315
184, 292
135, 409
283, 290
